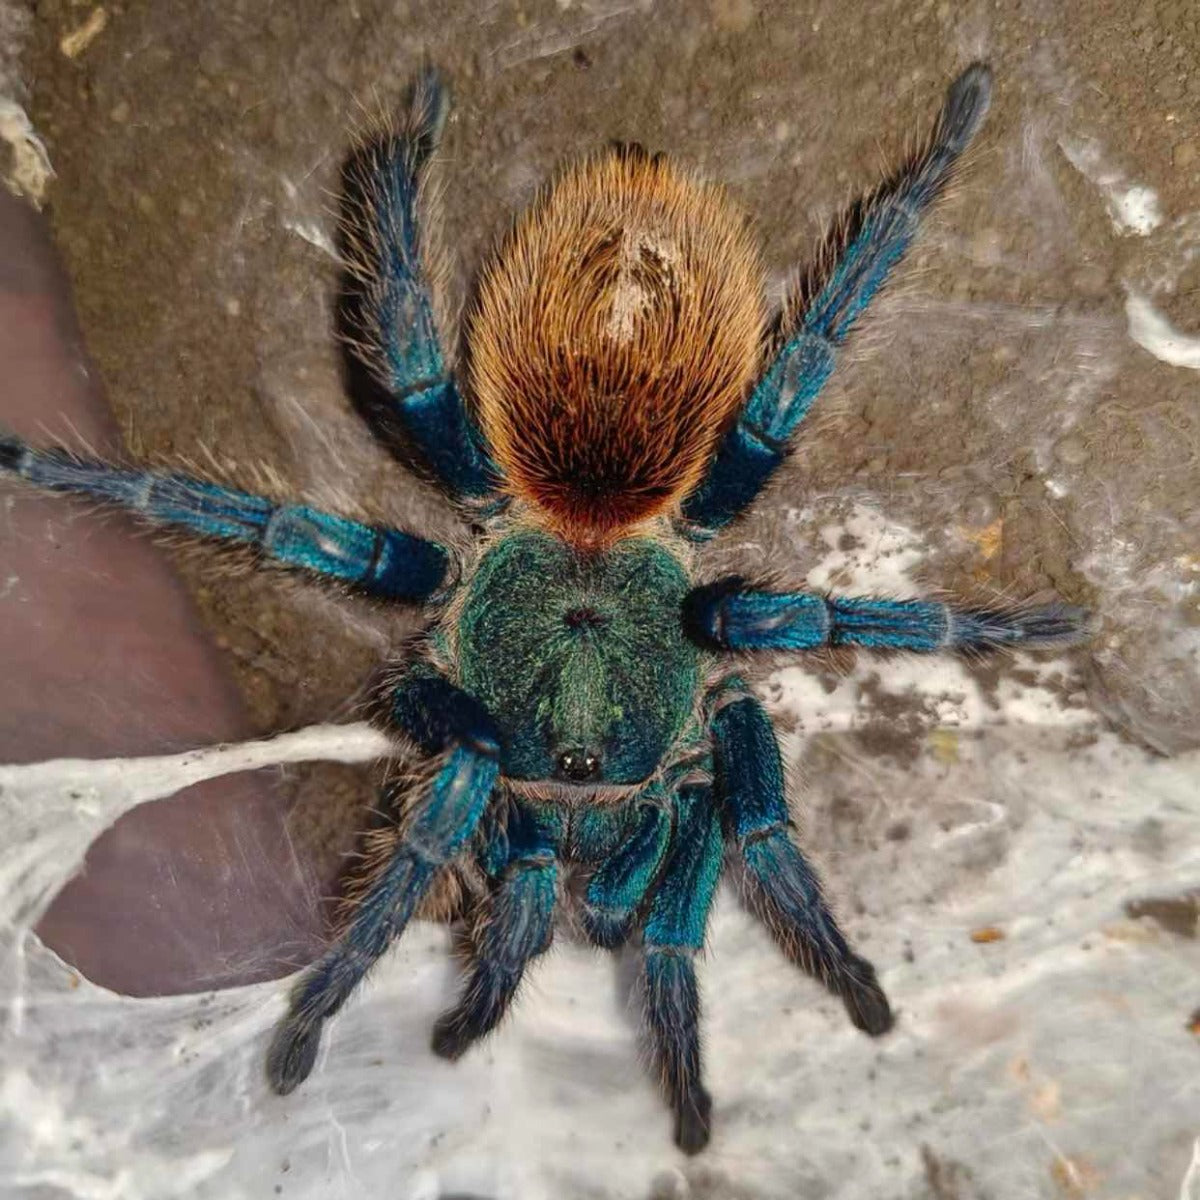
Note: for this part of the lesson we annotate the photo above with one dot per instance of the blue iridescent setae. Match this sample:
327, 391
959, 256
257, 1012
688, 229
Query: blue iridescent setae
571, 697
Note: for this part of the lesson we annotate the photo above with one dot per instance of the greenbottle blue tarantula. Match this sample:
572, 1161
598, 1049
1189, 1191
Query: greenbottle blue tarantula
623, 396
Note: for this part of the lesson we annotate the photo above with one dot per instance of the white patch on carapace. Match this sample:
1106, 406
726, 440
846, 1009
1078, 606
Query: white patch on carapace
630, 295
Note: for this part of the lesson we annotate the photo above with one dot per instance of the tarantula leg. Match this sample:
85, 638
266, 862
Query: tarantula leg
429, 709
857, 261
515, 926
378, 561
446, 818
388, 310
441, 822
729, 616
781, 885
674, 932
620, 883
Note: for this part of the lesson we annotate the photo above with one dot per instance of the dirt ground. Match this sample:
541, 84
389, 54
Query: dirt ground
995, 402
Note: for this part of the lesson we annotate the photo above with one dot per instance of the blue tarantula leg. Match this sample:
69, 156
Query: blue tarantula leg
442, 824
435, 714
514, 927
389, 310
442, 821
728, 615
781, 885
620, 883
378, 561
854, 266
673, 933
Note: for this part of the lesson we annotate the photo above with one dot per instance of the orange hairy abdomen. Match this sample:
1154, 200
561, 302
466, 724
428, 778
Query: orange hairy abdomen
616, 332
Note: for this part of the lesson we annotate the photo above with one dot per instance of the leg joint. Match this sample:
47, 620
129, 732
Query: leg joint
753, 837
686, 953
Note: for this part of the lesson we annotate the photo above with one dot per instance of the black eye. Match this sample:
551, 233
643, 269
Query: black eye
578, 766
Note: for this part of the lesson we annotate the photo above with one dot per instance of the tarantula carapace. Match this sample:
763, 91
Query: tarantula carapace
623, 397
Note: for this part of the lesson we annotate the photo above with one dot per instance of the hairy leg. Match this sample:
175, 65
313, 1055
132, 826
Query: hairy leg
856, 263
378, 561
441, 822
514, 927
731, 616
388, 311
620, 883
673, 933
781, 885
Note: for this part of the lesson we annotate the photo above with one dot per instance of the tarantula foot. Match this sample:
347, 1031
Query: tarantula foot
605, 928
865, 1001
292, 1054
693, 1122
967, 103
451, 1039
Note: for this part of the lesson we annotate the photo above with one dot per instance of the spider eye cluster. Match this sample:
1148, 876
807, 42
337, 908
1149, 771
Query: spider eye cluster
578, 766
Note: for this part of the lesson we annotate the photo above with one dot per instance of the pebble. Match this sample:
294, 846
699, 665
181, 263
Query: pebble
76, 42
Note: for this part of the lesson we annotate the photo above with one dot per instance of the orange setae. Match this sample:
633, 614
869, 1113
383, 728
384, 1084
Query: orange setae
616, 332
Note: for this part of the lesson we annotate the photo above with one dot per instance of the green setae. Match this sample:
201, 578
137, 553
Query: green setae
579, 654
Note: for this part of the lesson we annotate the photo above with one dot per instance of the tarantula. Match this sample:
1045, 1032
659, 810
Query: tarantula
623, 397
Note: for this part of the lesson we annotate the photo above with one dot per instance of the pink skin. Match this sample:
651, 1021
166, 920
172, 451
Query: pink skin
104, 656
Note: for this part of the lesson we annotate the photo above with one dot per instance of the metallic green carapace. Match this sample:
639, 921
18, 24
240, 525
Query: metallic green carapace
581, 656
